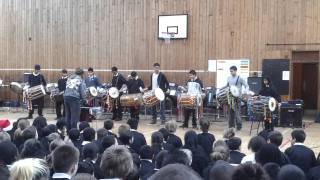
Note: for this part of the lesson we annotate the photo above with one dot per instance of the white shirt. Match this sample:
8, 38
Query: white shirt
85, 142
249, 158
155, 81
61, 175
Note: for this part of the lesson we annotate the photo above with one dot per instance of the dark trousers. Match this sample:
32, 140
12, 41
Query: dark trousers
187, 113
117, 110
235, 116
72, 108
134, 112
162, 111
58, 109
37, 103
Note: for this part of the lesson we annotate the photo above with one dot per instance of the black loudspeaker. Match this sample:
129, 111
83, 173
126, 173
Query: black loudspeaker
291, 116
255, 84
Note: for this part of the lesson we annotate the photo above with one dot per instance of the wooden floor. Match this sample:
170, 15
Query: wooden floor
312, 129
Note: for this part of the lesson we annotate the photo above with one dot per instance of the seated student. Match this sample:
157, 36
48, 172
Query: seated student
156, 143
74, 136
116, 162
176, 156
158, 163
32, 148
206, 139
90, 154
165, 133
146, 167
175, 172
269, 153
272, 170
314, 173
234, 145
300, 155
291, 172
228, 134
4, 136
171, 126
30, 168
221, 171
138, 138
275, 137
53, 145
8, 154
249, 171
89, 135
125, 139
101, 133
83, 125
199, 156
39, 123
254, 145
62, 128
65, 162
83, 176
108, 125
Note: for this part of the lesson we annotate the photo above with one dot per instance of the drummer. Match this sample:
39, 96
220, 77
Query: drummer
92, 81
235, 107
36, 79
135, 85
117, 81
62, 83
188, 111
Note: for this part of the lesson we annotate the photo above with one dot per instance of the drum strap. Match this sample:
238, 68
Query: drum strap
236, 81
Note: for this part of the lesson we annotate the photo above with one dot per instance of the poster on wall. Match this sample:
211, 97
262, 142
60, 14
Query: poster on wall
223, 72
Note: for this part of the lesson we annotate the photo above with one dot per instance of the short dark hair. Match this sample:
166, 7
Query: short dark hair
299, 135
175, 172
221, 171
79, 71
160, 158
29, 133
64, 71
8, 152
32, 148
90, 69
40, 122
269, 153
204, 125
193, 72
291, 172
114, 69
101, 133
133, 74
85, 167
107, 142
89, 134
67, 154
256, 143
234, 68
272, 170
83, 125
108, 124
90, 151
165, 133
275, 138
176, 156
234, 143
156, 65
125, 137
61, 123
133, 123
146, 152
74, 134
156, 138
249, 171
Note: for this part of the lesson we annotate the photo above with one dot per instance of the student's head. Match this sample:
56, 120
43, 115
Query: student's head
291, 172
39, 123
175, 172
74, 134
272, 170
122, 128
101, 133
133, 123
192, 74
266, 81
191, 139
85, 167
32, 148
156, 138
61, 124
189, 155
30, 133
125, 137
64, 72
114, 70
268, 153
275, 137
107, 142
4, 136
29, 169
116, 162
249, 171
171, 126
233, 70
221, 171
160, 158
89, 134
256, 143
176, 156
298, 136
229, 133
90, 151
56, 143
8, 152
37, 68
83, 125
23, 124
146, 152
204, 125
69, 155
133, 74
90, 71
220, 152
108, 124
156, 68
234, 143
165, 133
79, 71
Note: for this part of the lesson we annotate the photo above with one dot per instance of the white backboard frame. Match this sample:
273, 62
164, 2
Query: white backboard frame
176, 24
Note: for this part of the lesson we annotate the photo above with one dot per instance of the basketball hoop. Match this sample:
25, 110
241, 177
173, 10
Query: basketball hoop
167, 37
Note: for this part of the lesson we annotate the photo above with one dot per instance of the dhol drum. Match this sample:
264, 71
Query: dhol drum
17, 87
102, 92
189, 100
56, 95
222, 95
129, 100
153, 97
35, 92
51, 87
113, 92
91, 93
262, 104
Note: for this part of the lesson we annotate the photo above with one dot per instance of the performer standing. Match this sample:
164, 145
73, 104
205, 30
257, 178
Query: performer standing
62, 82
74, 96
36, 79
158, 80
188, 111
235, 107
92, 80
135, 85
117, 81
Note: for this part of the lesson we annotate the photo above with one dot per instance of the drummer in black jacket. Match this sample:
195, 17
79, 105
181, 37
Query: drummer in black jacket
36, 79
135, 85
62, 82
117, 81
188, 111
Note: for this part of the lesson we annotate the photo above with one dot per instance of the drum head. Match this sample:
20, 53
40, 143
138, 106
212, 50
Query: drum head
159, 94
235, 91
272, 104
93, 91
113, 92
16, 87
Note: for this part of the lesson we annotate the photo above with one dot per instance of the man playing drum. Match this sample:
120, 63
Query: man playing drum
135, 85
62, 82
117, 81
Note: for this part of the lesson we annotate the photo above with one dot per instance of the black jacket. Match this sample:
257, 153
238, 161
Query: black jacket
62, 83
134, 86
36, 80
162, 82
206, 140
138, 141
236, 157
146, 167
118, 81
271, 92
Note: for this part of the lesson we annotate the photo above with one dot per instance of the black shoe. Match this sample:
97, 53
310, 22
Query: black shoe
183, 126
29, 117
153, 122
239, 128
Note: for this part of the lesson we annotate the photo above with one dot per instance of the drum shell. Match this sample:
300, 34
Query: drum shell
35, 92
129, 100
150, 99
186, 100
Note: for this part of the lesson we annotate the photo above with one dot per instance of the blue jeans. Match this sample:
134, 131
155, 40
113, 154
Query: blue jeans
162, 111
72, 108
